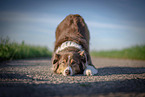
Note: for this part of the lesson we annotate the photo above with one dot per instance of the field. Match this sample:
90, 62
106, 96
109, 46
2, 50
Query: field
135, 52
12, 50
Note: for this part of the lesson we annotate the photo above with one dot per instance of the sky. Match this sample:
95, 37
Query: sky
113, 24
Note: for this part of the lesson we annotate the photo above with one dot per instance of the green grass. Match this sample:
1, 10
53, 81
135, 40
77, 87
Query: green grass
135, 52
12, 50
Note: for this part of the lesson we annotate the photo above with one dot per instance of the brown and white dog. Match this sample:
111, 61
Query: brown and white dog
71, 52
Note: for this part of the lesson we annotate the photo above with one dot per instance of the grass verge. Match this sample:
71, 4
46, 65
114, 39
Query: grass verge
135, 52
12, 50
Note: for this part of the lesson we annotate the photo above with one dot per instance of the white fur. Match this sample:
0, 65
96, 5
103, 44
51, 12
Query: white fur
90, 70
68, 44
68, 68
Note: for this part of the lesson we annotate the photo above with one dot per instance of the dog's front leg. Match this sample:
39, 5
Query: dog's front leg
90, 70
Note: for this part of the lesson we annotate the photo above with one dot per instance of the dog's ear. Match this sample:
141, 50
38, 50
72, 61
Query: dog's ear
55, 60
83, 59
82, 54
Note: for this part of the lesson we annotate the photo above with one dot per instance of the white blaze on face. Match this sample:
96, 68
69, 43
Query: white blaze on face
68, 68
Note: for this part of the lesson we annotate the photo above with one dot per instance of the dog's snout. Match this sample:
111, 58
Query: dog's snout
67, 72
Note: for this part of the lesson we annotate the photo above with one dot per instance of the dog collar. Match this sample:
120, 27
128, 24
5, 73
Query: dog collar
68, 44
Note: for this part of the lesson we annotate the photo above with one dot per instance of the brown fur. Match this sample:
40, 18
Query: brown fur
72, 28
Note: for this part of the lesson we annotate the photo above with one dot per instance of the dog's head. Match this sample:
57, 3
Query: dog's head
69, 63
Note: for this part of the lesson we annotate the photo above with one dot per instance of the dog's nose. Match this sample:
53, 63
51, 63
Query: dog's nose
67, 72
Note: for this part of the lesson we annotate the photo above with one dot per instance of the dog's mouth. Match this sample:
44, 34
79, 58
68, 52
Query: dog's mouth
68, 71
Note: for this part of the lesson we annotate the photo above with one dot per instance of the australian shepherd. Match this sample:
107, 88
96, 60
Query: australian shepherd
71, 52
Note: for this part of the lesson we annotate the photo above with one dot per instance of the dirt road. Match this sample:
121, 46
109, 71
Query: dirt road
34, 78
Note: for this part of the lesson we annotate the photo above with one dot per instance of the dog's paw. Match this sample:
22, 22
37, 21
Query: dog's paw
90, 70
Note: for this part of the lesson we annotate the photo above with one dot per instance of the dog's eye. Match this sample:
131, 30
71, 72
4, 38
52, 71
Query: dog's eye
73, 62
62, 62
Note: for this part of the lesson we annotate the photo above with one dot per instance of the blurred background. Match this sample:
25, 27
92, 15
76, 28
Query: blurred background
113, 24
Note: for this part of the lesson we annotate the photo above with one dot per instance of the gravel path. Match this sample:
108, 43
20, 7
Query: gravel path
34, 78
